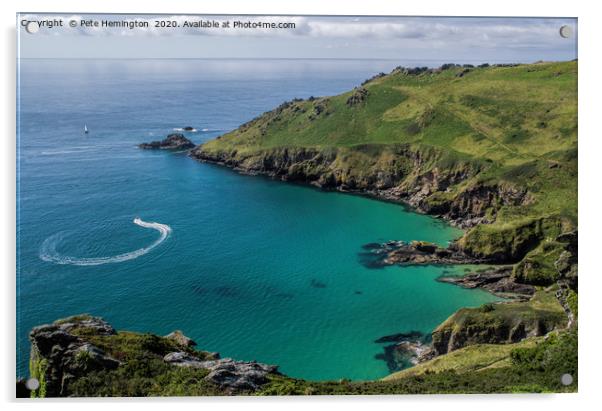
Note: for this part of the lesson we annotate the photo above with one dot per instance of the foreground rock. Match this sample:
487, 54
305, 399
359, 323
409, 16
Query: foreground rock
181, 339
84, 356
226, 373
59, 355
172, 142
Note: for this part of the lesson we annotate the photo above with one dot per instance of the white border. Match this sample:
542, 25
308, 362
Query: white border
590, 145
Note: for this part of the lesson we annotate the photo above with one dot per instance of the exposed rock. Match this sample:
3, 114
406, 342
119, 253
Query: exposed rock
386, 177
500, 323
181, 339
413, 253
358, 96
226, 373
496, 280
412, 335
60, 355
183, 359
188, 128
567, 263
172, 142
562, 295
63, 352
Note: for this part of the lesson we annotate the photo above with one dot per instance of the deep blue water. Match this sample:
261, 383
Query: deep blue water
252, 268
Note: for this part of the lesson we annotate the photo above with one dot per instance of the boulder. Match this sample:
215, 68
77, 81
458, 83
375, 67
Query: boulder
181, 339
226, 373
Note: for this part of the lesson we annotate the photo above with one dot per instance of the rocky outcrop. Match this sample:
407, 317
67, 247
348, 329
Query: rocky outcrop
567, 263
181, 339
413, 253
500, 323
226, 373
60, 354
497, 280
172, 142
358, 96
68, 351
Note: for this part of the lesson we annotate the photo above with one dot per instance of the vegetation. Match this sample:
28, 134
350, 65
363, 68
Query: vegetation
493, 144
503, 129
532, 365
500, 323
143, 371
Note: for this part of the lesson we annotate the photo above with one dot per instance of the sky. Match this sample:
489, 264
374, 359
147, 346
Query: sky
453, 39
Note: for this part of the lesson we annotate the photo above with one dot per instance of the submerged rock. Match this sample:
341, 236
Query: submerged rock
172, 142
407, 350
412, 335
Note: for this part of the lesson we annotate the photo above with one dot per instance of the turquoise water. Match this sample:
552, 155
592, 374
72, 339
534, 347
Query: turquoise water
249, 267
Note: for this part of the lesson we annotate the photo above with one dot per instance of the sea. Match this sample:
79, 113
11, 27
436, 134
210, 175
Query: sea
154, 241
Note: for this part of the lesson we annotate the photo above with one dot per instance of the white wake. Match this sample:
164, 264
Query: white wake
48, 249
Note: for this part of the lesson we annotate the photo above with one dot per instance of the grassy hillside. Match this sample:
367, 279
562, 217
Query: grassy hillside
492, 149
512, 115
488, 144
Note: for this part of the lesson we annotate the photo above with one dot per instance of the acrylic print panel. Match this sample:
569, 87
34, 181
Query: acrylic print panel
274, 205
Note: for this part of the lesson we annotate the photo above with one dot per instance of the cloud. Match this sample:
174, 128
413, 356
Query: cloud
440, 28
388, 34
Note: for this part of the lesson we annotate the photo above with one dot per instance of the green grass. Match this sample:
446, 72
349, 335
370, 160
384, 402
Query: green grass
500, 323
509, 127
468, 359
531, 367
143, 371
514, 112
502, 129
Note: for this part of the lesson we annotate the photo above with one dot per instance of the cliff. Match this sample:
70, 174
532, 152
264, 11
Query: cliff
491, 151
84, 356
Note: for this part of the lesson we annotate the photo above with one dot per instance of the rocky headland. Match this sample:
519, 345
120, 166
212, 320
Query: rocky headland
465, 144
422, 137
71, 354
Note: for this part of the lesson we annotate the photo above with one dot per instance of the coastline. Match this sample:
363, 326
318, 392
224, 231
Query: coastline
493, 202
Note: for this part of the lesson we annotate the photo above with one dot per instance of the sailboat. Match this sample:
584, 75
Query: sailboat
85, 129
